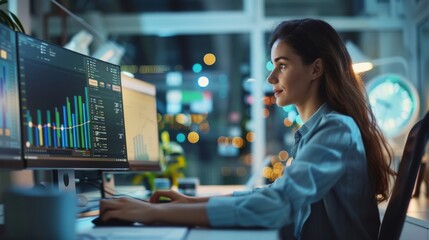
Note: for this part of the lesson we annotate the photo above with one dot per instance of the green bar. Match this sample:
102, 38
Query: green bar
80, 120
69, 120
30, 129
76, 115
88, 117
48, 121
58, 126
39, 123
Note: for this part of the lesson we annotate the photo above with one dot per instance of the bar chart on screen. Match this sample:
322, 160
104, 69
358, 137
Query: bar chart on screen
62, 122
65, 126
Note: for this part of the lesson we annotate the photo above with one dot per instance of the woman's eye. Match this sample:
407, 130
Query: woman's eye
282, 66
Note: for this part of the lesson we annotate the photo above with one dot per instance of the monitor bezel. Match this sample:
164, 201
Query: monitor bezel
49, 164
138, 165
11, 165
76, 164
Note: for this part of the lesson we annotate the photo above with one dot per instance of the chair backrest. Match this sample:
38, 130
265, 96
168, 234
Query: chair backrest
396, 211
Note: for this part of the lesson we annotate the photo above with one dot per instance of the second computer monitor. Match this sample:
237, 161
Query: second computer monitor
72, 110
10, 134
141, 124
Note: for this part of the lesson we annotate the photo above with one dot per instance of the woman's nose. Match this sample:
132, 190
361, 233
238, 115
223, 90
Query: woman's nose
272, 78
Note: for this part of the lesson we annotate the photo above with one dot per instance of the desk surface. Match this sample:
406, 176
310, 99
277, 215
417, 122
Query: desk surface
248, 234
86, 230
84, 226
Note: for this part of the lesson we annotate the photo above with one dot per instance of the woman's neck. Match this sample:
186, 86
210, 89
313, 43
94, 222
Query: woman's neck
307, 109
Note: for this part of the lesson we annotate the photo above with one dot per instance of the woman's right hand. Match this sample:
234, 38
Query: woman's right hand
175, 197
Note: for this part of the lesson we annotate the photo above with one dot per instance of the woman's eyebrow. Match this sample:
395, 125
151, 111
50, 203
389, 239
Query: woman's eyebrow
281, 58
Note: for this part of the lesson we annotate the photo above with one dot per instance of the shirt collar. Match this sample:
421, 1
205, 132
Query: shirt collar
312, 121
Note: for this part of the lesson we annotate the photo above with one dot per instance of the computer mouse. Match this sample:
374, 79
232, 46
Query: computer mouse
111, 222
81, 200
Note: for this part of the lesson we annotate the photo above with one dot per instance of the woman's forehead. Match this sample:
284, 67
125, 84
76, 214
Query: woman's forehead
282, 49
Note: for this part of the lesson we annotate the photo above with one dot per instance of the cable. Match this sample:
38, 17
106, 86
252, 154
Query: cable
108, 190
95, 183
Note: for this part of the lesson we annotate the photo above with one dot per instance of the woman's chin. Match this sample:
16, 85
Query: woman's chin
282, 103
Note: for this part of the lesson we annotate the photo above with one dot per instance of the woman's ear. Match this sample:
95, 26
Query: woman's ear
317, 70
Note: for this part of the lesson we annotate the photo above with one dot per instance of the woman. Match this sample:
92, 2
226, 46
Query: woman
341, 163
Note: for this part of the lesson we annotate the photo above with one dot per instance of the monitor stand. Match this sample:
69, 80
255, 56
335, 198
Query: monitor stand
64, 179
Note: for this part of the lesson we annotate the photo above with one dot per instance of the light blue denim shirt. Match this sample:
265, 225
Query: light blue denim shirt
329, 166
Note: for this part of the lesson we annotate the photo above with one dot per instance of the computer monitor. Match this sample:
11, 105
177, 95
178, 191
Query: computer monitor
141, 125
10, 133
71, 107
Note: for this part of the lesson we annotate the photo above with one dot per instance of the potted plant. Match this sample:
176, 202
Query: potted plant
10, 19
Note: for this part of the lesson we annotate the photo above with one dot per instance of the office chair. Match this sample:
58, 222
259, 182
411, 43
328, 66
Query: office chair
396, 211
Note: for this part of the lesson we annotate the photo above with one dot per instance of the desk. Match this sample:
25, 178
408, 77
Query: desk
232, 234
84, 225
86, 230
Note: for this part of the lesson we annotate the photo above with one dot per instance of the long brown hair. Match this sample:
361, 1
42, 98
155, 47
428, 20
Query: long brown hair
342, 89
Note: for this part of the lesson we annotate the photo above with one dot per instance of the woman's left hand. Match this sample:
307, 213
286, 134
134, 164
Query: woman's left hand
127, 209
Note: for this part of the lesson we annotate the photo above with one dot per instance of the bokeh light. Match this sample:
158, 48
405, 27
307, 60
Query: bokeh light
193, 137
209, 59
283, 155
250, 136
298, 120
287, 122
265, 113
267, 101
197, 68
180, 137
266, 172
288, 108
203, 81
237, 142
269, 65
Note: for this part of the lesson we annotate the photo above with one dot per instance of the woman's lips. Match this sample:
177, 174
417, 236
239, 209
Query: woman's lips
277, 92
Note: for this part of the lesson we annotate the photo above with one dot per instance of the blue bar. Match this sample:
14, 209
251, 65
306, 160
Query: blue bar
45, 134
74, 130
55, 134
48, 128
65, 143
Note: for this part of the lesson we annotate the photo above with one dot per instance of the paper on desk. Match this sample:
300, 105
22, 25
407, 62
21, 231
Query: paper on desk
131, 233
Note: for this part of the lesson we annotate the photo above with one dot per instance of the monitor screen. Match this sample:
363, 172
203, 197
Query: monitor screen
10, 133
71, 107
141, 125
